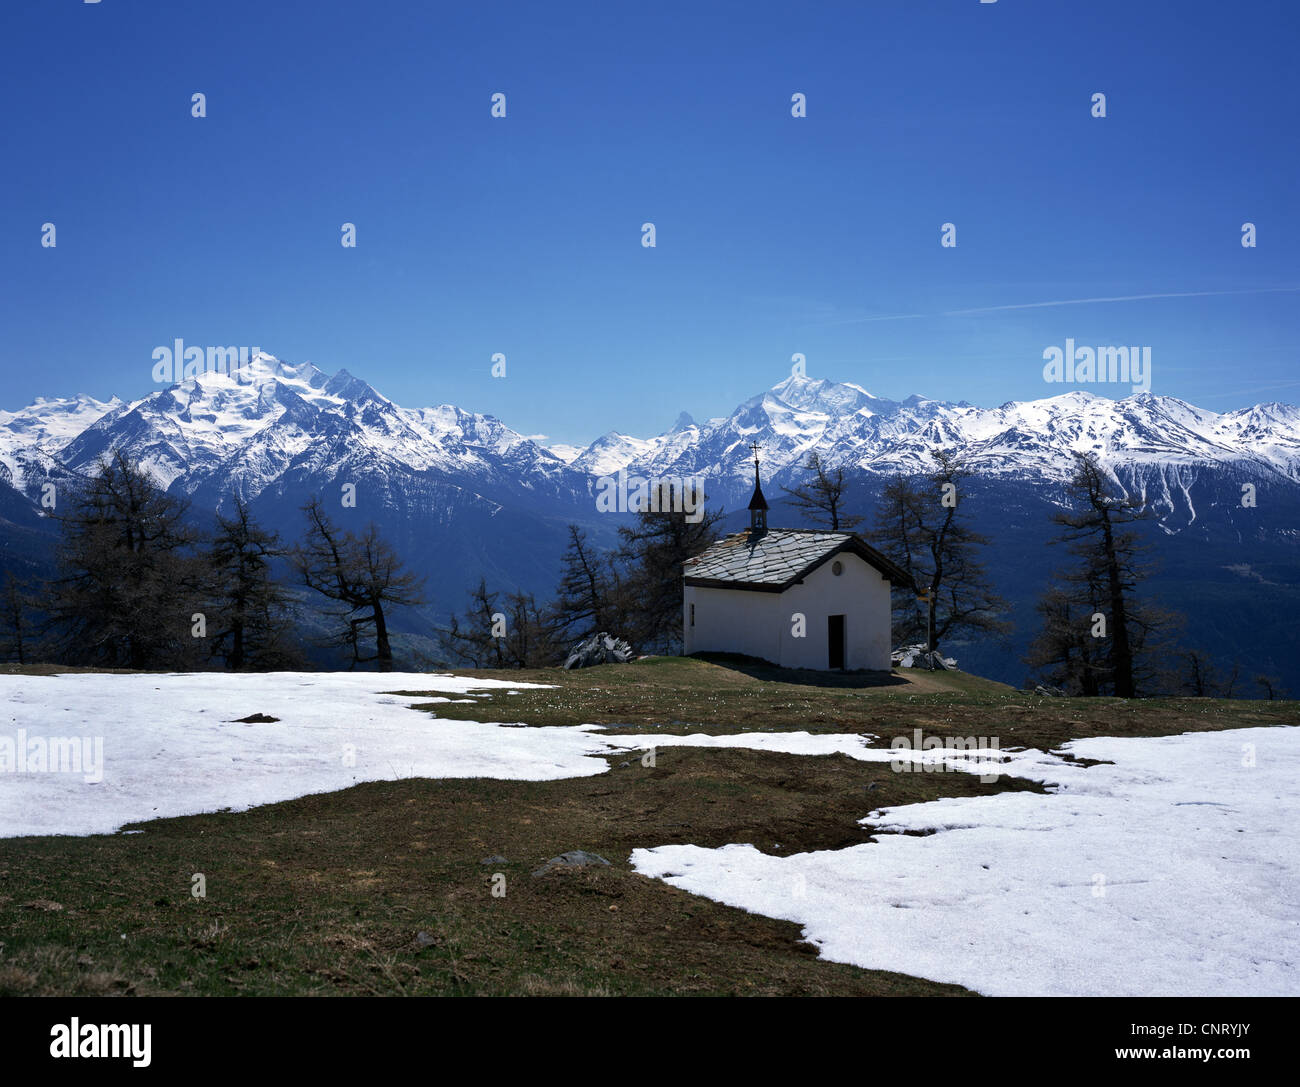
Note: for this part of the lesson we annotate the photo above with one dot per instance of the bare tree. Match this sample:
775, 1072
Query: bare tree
361, 573
588, 598
252, 620
1201, 679
517, 634
1102, 585
1270, 686
821, 499
532, 638
472, 639
1063, 653
918, 526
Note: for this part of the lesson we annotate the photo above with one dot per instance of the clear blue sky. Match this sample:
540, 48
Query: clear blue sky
775, 234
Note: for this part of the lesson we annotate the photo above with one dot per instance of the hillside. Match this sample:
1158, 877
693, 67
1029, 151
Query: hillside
386, 885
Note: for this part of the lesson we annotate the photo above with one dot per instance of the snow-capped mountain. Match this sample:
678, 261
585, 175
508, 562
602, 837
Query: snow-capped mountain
276, 422
462, 496
31, 436
273, 420
1145, 441
53, 423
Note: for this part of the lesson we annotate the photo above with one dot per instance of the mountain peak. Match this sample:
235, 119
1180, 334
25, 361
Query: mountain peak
346, 387
272, 414
821, 395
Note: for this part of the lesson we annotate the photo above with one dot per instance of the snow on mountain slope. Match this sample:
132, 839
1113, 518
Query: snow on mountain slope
278, 421
31, 437
51, 424
199, 422
612, 451
566, 453
275, 418
1142, 434
1272, 431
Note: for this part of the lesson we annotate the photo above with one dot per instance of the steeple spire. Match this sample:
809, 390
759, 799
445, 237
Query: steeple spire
757, 504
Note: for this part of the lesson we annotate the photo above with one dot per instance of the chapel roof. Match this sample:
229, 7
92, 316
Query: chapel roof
774, 560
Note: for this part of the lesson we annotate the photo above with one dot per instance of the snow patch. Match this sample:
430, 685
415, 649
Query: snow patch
1171, 872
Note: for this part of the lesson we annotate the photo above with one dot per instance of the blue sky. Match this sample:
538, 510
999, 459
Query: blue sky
775, 235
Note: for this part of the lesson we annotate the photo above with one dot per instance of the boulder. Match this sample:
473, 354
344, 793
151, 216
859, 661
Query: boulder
914, 656
600, 648
575, 858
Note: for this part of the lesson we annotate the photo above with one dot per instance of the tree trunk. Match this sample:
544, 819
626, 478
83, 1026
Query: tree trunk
382, 648
929, 632
1121, 651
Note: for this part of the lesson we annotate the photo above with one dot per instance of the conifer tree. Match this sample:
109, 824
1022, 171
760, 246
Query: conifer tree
654, 551
128, 587
252, 622
1098, 636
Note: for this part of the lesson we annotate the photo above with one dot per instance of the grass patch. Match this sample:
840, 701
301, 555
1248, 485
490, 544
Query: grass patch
724, 695
379, 889
330, 894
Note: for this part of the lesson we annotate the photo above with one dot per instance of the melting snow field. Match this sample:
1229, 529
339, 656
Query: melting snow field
1175, 871
171, 744
168, 745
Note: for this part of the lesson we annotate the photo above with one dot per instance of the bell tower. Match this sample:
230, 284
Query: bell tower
757, 504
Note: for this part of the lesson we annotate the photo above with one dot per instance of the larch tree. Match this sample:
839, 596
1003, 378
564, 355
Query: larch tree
1126, 636
919, 525
821, 498
251, 607
654, 551
363, 575
129, 592
588, 598
17, 626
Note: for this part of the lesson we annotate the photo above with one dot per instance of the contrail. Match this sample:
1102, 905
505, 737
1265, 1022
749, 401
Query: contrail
1253, 390
1066, 302
1118, 298
891, 317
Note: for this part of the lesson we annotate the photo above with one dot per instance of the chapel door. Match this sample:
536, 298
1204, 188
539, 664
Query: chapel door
835, 639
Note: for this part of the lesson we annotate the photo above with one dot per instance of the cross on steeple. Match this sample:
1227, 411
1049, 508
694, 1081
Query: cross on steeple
757, 504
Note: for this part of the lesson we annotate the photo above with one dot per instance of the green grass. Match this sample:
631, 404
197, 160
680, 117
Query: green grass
327, 894
721, 695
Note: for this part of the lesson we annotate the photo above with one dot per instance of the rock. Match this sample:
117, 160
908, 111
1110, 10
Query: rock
914, 656
600, 648
496, 858
575, 858
1048, 691
256, 719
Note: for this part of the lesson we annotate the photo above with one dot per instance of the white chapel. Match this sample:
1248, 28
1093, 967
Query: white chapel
799, 598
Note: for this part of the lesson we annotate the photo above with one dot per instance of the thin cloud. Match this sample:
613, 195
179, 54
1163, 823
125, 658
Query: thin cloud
1117, 298
1253, 389
888, 317
1066, 302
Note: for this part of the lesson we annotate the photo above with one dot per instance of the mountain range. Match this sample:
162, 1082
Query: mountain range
462, 495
